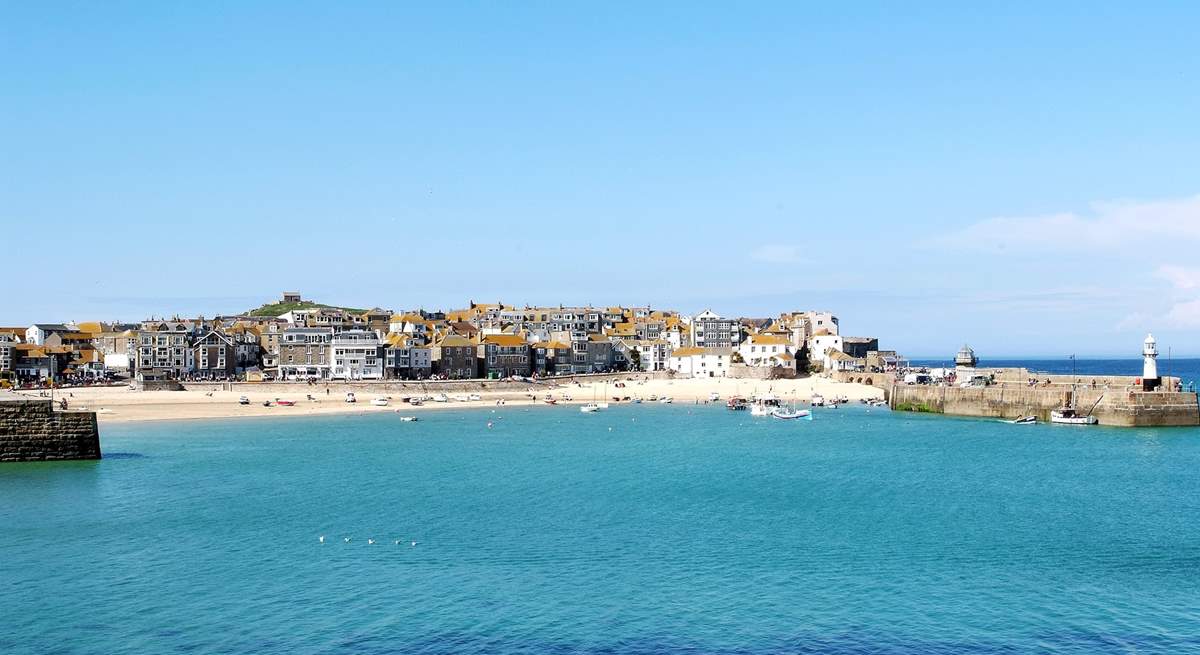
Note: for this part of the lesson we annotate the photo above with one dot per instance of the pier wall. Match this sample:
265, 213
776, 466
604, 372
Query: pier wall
1119, 407
882, 380
31, 430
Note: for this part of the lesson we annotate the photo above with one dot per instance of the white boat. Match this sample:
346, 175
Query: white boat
380, 402
1023, 420
243, 401
782, 413
1068, 416
589, 408
817, 400
714, 397
474, 396
408, 419
440, 398
602, 405
764, 405
666, 400
350, 397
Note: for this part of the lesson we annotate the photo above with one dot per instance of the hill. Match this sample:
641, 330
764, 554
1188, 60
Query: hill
275, 309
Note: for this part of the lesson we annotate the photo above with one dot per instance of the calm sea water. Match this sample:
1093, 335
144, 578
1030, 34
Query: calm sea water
643, 529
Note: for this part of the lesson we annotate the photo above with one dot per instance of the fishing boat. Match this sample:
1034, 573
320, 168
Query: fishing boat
408, 419
550, 401
666, 400
350, 397
243, 401
764, 405
817, 400
1023, 420
285, 403
737, 403
380, 402
441, 398
713, 397
589, 408
791, 413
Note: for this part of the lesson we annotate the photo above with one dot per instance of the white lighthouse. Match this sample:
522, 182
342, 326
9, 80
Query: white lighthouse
1150, 367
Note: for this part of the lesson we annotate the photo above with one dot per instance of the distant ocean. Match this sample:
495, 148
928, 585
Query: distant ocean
640, 530
1187, 369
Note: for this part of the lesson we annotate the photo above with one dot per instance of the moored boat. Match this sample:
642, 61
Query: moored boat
380, 402
788, 414
1068, 416
589, 408
737, 403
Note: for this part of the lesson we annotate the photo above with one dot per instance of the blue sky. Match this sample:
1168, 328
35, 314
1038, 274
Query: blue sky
1019, 177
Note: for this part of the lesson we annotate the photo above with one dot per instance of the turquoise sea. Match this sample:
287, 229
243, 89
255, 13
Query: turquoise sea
642, 529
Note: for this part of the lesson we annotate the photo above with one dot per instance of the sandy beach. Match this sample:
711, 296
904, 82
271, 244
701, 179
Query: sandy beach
121, 404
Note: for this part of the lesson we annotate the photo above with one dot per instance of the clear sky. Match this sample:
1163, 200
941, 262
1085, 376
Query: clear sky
1022, 177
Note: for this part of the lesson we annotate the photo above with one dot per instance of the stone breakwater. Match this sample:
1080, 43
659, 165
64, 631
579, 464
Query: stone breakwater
1122, 406
31, 430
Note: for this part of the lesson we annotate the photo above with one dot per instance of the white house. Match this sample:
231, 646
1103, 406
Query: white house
701, 362
356, 356
766, 350
840, 361
37, 333
820, 346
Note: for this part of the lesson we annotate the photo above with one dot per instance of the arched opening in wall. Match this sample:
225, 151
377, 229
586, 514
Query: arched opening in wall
870, 381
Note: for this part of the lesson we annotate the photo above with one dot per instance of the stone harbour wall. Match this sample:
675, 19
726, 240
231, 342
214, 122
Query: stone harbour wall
31, 430
1119, 407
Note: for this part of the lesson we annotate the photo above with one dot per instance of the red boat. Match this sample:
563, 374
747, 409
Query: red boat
285, 403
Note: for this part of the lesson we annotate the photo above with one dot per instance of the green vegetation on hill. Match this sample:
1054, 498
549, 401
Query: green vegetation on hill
275, 309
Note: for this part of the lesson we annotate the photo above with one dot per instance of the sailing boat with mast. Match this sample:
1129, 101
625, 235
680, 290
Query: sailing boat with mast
791, 412
593, 406
1069, 414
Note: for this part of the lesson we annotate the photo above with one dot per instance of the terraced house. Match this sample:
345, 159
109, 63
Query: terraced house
304, 353
164, 347
214, 356
454, 357
357, 355
552, 358
710, 330
406, 358
503, 355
